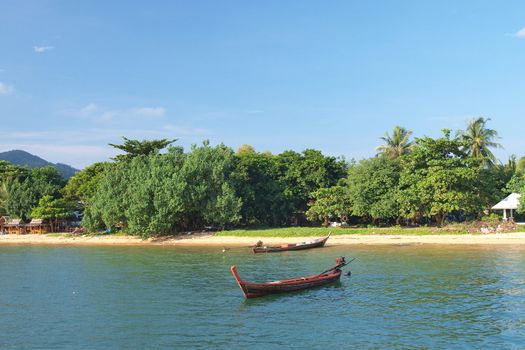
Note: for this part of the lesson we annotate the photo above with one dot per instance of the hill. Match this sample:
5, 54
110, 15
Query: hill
29, 160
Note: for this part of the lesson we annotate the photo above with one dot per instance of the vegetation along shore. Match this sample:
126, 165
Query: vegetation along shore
422, 186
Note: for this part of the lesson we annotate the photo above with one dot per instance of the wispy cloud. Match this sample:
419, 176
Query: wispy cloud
186, 131
520, 33
6, 89
82, 146
150, 111
98, 113
42, 49
254, 111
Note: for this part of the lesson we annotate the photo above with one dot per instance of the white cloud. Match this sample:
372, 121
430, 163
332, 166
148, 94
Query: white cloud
150, 111
82, 146
520, 33
89, 109
42, 49
98, 113
185, 131
6, 89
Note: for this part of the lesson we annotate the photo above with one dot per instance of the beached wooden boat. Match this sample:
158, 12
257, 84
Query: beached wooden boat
260, 248
259, 289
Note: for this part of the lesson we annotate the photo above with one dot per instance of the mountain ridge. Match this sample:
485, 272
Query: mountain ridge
23, 158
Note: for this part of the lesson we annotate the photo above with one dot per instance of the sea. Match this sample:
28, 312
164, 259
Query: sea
389, 297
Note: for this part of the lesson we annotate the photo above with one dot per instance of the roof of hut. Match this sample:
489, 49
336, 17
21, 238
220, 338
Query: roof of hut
512, 201
36, 222
14, 222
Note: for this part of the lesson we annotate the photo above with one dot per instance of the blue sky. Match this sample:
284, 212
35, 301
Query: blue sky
331, 75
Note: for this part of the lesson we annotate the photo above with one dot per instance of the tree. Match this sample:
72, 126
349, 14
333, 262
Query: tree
479, 139
20, 199
84, 184
373, 185
329, 202
24, 192
303, 173
135, 148
520, 166
245, 149
166, 193
396, 145
53, 209
256, 177
438, 178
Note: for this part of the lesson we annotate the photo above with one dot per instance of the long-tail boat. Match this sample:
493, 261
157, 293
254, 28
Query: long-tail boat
260, 248
259, 289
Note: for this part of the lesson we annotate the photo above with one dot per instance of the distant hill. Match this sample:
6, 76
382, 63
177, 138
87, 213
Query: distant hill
29, 160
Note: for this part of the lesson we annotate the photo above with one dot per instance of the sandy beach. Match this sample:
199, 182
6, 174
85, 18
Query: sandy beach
514, 238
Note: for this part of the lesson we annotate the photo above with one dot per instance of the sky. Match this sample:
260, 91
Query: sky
278, 75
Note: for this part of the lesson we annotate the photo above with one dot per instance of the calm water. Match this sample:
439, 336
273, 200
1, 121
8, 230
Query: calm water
135, 297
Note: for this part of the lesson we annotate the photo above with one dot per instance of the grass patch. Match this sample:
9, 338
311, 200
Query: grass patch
58, 234
323, 231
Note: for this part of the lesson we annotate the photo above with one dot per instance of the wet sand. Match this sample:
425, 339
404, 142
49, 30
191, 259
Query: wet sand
514, 238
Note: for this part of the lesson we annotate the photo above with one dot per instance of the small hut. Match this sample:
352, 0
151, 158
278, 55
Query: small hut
37, 226
15, 227
3, 222
511, 203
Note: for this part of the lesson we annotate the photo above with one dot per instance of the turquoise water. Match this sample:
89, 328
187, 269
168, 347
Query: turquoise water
155, 297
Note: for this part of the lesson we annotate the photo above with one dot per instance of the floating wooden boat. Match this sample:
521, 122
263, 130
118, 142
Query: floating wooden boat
259, 248
259, 289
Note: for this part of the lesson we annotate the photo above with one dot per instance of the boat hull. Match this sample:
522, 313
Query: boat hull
297, 246
254, 289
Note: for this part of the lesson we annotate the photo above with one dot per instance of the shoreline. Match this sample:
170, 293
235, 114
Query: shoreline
206, 240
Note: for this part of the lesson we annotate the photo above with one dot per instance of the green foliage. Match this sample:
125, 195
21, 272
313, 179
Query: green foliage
83, 185
145, 192
276, 188
257, 182
373, 185
329, 202
520, 166
396, 145
9, 173
135, 148
24, 192
245, 149
51, 208
302, 174
438, 178
334, 231
479, 139
20, 198
516, 184
162, 194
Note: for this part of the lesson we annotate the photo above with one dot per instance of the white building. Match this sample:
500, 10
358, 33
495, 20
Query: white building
511, 203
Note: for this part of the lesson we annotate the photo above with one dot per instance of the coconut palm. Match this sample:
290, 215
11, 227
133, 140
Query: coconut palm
520, 166
397, 144
479, 139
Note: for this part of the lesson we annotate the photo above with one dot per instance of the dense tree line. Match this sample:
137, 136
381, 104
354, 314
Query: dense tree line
155, 187
423, 180
148, 192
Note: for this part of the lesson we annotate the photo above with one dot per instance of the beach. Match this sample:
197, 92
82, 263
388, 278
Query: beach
513, 238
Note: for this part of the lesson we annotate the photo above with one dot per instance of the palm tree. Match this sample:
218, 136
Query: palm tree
479, 139
397, 144
520, 166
